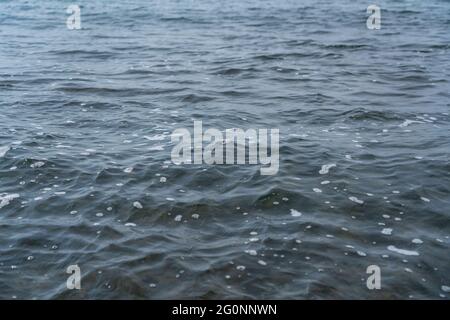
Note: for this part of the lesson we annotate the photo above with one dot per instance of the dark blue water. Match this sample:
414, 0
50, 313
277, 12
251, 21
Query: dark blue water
85, 124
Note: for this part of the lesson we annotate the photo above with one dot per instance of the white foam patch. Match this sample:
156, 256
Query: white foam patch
37, 164
356, 200
128, 170
402, 251
425, 199
417, 241
3, 151
361, 253
326, 168
137, 205
295, 213
387, 231
317, 190
5, 199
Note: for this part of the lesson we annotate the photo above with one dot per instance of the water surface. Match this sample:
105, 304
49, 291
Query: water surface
85, 123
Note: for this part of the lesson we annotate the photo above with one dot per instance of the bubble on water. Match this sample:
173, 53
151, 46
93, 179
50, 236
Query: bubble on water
361, 253
128, 170
326, 168
356, 200
261, 262
158, 148
37, 164
295, 213
137, 205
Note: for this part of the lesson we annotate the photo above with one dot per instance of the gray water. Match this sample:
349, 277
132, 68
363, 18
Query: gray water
85, 124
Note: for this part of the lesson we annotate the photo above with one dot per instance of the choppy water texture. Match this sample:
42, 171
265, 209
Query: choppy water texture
85, 125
